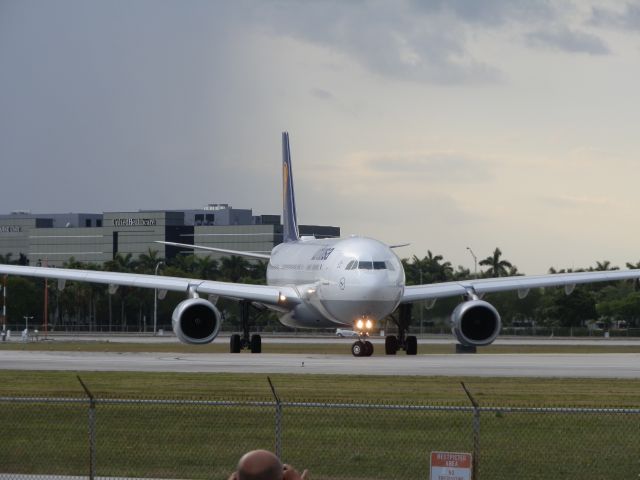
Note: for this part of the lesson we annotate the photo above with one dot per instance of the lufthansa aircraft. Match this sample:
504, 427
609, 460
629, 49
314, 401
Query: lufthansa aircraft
328, 283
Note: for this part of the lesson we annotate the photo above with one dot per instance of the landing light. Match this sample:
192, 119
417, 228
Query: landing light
282, 298
364, 324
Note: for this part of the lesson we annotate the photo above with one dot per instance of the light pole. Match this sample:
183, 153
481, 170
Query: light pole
421, 303
475, 262
4, 305
155, 301
26, 321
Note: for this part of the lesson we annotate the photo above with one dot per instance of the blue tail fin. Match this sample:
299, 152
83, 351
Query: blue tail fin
289, 218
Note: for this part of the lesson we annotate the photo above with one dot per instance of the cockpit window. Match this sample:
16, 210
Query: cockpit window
351, 265
364, 265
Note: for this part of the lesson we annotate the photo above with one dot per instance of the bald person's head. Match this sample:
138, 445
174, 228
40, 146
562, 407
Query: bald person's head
259, 465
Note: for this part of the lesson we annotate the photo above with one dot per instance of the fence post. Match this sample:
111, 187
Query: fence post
475, 456
92, 430
278, 420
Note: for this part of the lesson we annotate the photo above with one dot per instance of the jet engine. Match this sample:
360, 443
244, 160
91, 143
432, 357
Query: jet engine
196, 321
475, 323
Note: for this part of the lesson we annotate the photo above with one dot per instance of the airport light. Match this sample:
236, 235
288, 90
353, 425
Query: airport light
155, 301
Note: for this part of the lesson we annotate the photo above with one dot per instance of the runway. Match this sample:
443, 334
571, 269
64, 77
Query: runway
318, 339
605, 365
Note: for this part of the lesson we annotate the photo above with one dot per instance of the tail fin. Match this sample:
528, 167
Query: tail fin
289, 218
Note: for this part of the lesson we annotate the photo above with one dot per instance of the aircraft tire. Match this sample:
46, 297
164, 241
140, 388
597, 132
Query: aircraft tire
358, 349
390, 345
256, 344
234, 343
368, 348
412, 345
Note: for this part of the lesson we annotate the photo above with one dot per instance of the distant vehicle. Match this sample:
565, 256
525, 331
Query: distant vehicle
341, 332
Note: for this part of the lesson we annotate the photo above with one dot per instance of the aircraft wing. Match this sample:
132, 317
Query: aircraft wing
520, 283
281, 296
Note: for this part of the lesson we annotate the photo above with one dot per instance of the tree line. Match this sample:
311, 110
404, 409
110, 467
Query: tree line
90, 307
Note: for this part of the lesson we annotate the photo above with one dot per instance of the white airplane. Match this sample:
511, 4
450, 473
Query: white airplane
350, 282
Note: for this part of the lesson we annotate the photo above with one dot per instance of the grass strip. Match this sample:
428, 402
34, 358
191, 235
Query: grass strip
569, 392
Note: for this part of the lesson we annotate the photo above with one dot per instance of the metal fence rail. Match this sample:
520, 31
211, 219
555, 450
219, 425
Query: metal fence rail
148, 438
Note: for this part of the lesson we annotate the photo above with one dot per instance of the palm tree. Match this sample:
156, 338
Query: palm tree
633, 266
461, 273
603, 266
206, 268
497, 267
439, 272
182, 265
6, 259
234, 268
120, 263
147, 261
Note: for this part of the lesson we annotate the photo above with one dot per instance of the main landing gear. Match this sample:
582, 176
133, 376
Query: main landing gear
408, 343
245, 342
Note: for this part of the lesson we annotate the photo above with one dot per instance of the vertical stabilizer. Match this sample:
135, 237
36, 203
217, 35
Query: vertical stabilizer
289, 218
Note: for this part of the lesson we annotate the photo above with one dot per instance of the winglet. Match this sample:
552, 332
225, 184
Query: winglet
289, 218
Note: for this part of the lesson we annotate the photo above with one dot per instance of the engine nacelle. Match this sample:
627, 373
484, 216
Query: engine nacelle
475, 323
196, 321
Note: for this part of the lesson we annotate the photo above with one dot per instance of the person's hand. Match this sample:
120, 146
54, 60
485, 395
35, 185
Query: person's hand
291, 473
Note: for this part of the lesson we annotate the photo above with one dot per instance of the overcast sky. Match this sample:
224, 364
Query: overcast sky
444, 123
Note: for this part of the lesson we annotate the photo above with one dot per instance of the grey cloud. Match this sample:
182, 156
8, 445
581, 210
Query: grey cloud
422, 41
397, 40
490, 12
628, 19
440, 167
568, 40
321, 93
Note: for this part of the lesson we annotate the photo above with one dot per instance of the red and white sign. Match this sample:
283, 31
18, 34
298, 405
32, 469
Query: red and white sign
450, 466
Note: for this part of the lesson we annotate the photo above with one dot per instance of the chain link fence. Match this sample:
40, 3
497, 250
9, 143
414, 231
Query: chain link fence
145, 438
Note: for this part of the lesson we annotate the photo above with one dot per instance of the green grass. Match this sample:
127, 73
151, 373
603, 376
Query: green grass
199, 441
194, 441
331, 388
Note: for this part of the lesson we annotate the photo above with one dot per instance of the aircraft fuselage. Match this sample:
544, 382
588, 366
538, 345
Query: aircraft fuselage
339, 280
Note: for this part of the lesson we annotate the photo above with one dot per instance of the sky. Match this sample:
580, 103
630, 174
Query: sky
446, 123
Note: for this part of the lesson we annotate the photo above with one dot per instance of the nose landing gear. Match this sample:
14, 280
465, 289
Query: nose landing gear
362, 348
